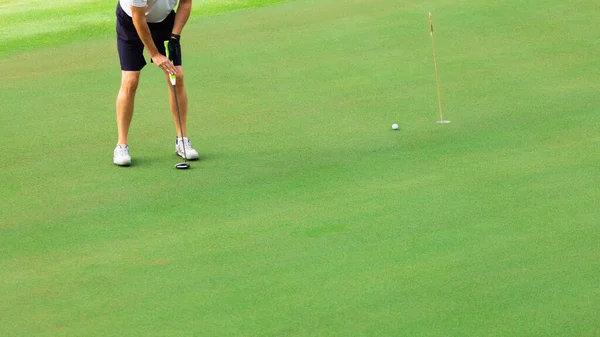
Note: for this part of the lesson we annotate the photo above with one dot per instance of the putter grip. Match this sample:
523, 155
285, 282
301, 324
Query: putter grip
171, 76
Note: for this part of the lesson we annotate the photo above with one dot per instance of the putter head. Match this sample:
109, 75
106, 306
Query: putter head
182, 166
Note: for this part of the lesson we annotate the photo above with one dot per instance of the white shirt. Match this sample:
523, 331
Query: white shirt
156, 10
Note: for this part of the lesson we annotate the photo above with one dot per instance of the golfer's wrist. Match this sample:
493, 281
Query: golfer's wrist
154, 53
175, 36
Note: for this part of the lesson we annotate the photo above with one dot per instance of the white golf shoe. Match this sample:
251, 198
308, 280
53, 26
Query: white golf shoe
121, 155
190, 153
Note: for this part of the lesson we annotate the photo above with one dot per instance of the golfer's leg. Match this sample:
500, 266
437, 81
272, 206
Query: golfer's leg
125, 102
182, 100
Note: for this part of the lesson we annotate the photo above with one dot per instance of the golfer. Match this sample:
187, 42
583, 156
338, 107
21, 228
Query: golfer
147, 24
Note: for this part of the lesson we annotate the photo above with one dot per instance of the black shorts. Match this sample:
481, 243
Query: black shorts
130, 46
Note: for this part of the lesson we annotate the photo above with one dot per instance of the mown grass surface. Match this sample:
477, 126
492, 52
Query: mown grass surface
27, 25
307, 215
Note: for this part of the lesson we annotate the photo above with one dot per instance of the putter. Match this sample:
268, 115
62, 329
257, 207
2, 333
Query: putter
173, 79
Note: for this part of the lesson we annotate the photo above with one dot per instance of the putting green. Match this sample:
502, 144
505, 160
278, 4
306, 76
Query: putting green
307, 215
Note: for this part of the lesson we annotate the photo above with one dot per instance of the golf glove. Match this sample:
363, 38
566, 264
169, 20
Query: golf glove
174, 47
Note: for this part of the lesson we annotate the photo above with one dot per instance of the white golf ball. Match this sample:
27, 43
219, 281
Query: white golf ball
395, 126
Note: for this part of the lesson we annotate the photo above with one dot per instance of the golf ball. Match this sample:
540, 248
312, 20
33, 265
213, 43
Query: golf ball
395, 126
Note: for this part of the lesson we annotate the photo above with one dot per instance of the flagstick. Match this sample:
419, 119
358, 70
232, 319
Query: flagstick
437, 78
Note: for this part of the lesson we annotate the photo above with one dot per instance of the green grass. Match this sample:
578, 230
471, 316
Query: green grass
307, 215
29, 24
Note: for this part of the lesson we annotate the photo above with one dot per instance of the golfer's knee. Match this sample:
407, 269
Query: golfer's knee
179, 74
129, 83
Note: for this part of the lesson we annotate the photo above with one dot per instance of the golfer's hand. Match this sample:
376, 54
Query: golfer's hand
164, 63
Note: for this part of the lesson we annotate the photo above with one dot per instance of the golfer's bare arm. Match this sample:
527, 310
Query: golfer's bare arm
138, 14
184, 9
